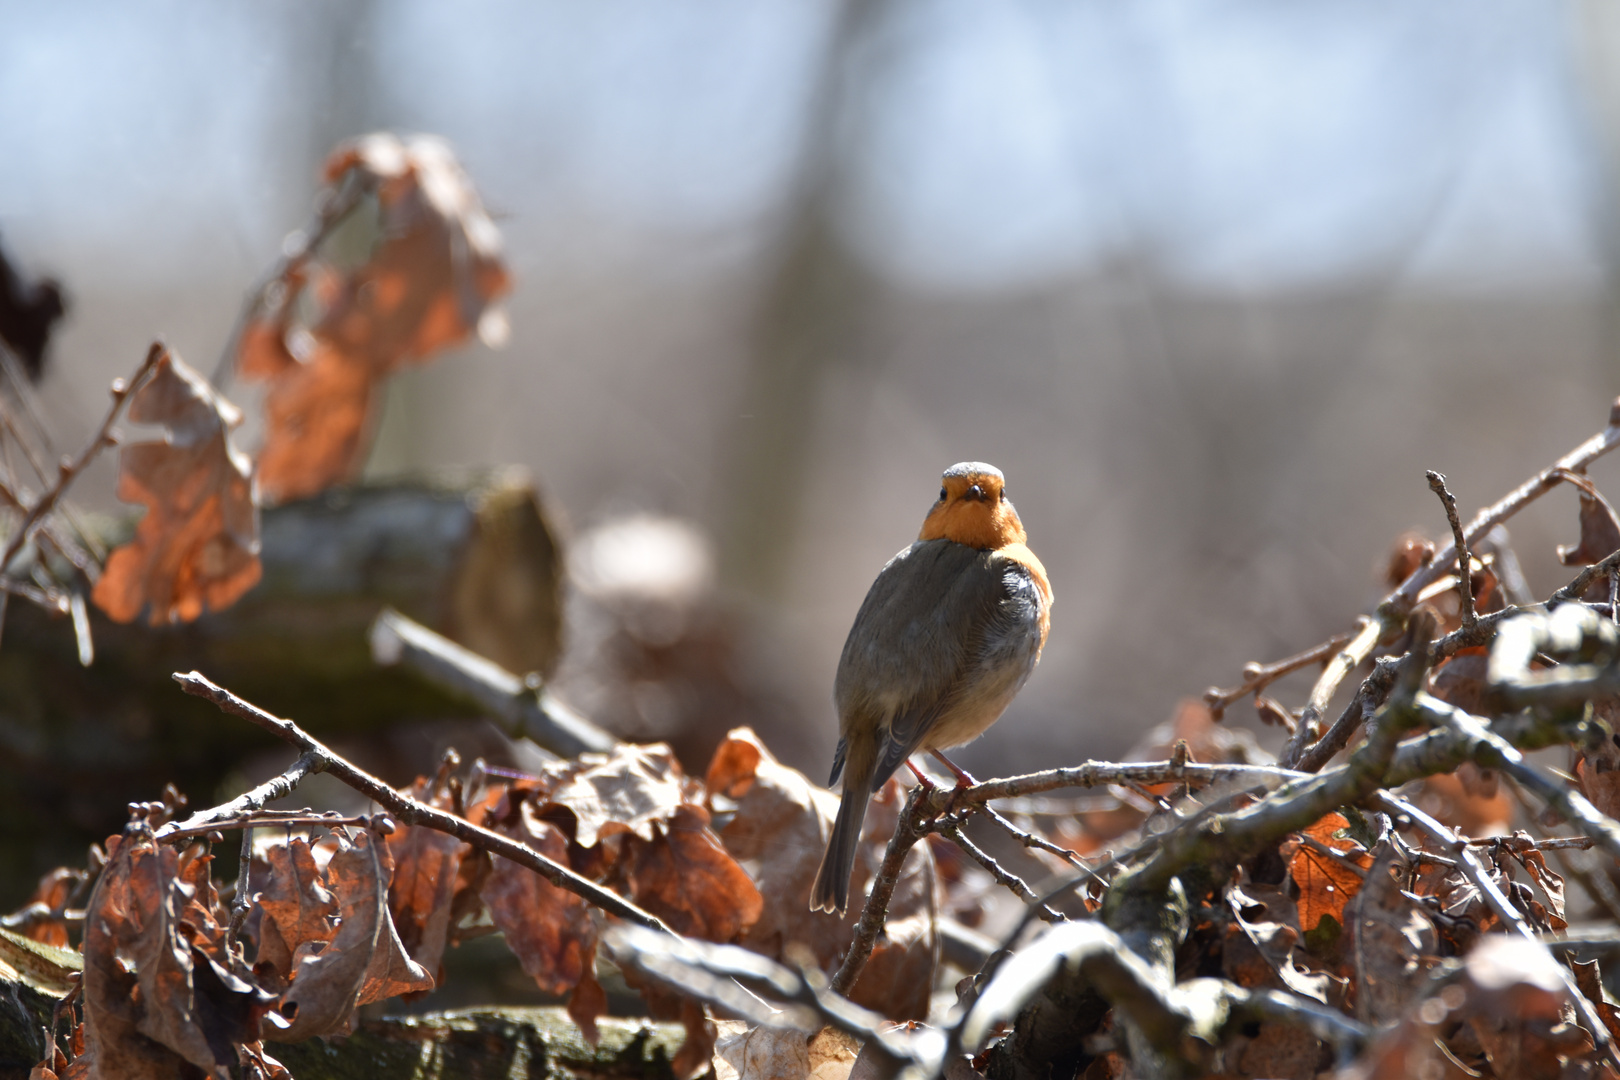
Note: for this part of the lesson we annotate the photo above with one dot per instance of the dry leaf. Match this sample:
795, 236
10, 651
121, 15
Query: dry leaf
197, 548
296, 907
430, 283
1393, 943
1325, 885
547, 928
686, 877
427, 865
1600, 531
780, 826
633, 790
364, 961
760, 1053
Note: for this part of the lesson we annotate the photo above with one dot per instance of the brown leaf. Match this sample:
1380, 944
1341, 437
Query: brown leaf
1263, 948
51, 896
430, 282
633, 789
127, 900
1325, 885
550, 930
197, 548
364, 961
151, 996
297, 908
427, 864
1597, 770
1393, 943
780, 826
1600, 530
686, 877
587, 1003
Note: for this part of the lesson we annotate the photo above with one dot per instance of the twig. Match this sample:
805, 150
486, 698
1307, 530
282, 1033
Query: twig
916, 822
1392, 612
1497, 753
1577, 587
1256, 676
1459, 544
528, 710
1032, 841
1374, 688
68, 471
413, 812
326, 821
1105, 773
1004, 877
1338, 858
1476, 873
716, 973
245, 804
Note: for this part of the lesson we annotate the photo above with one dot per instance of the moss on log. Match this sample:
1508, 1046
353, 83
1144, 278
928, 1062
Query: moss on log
486, 1044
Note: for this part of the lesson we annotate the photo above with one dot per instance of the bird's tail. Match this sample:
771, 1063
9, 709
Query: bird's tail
831, 890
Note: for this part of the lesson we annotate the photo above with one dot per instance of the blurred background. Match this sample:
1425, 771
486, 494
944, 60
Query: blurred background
1212, 283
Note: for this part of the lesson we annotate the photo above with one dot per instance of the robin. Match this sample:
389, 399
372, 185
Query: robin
948, 633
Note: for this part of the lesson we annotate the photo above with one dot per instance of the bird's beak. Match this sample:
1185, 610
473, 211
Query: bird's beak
976, 493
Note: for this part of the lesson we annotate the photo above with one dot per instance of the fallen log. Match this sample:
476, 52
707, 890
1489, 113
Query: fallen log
473, 557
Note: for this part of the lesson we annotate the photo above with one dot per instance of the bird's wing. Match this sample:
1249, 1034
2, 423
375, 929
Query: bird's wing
917, 637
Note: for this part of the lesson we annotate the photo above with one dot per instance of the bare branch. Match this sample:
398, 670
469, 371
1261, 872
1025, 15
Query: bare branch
527, 709
1459, 544
1392, 612
916, 822
245, 804
1004, 877
1256, 677
413, 812
69, 471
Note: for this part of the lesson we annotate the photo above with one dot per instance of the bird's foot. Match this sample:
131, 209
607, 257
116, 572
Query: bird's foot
964, 779
922, 778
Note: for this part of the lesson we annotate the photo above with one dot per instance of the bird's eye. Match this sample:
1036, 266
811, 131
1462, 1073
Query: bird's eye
941, 494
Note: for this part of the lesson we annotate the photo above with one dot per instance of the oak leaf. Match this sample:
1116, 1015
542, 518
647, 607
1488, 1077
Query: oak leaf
430, 282
364, 961
296, 907
1325, 884
197, 548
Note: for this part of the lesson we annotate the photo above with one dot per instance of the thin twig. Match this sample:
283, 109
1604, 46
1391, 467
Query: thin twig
1476, 873
1392, 612
1031, 840
69, 471
413, 812
325, 821
1338, 858
298, 248
1257, 676
1497, 753
245, 804
1459, 544
1004, 877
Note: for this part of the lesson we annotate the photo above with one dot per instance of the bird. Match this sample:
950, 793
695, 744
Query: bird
947, 635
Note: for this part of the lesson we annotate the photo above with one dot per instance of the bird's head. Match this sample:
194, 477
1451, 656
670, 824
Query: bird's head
973, 509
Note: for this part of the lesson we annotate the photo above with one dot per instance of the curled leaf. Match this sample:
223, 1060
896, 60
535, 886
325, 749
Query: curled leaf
430, 281
197, 548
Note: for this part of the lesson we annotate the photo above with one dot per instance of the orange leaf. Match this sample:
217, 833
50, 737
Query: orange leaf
430, 283
1325, 885
197, 548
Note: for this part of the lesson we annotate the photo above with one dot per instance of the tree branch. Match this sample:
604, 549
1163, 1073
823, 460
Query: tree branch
412, 812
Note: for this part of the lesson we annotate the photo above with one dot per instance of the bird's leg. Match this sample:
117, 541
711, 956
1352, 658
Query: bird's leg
963, 777
922, 777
